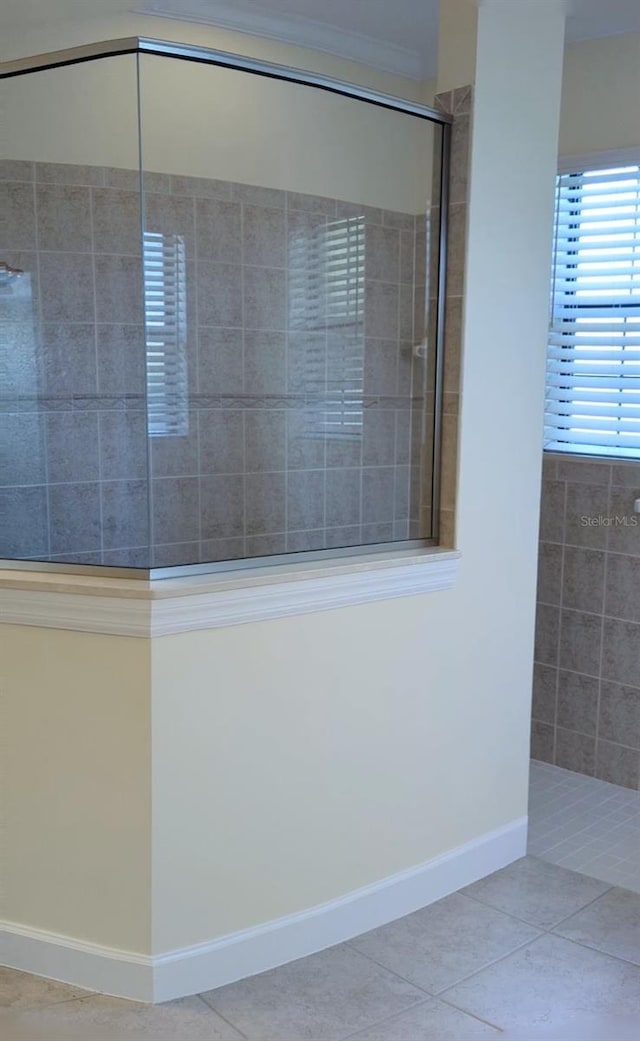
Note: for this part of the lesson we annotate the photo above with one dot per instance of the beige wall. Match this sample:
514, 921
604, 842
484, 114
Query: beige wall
76, 798
601, 95
209, 122
296, 760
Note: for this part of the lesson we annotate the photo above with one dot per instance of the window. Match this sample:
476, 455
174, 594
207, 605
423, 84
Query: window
593, 358
166, 334
326, 273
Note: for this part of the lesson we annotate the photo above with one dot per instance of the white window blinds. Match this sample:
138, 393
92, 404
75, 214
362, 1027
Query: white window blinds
593, 358
166, 334
326, 299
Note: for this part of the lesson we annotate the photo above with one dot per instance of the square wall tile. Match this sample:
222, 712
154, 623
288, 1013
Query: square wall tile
119, 289
265, 503
620, 714
176, 455
24, 529
577, 703
575, 751
547, 632
622, 598
123, 445
264, 364
175, 509
116, 221
587, 515
265, 439
222, 506
68, 359
219, 289
264, 298
218, 231
542, 741
305, 499
74, 517
22, 455
618, 765
549, 573
18, 228
580, 642
125, 513
72, 447
66, 287
221, 441
621, 652
263, 236
583, 579
220, 362
545, 682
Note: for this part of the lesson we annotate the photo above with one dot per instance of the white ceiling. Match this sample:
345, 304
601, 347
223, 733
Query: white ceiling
395, 35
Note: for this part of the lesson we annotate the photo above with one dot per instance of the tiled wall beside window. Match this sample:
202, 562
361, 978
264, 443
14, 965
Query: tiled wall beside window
586, 694
286, 323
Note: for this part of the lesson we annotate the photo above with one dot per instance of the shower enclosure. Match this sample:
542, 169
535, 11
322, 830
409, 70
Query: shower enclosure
221, 304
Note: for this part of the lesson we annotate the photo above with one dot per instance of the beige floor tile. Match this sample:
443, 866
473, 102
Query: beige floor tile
549, 982
536, 891
431, 1021
443, 943
100, 1018
321, 998
22, 990
611, 924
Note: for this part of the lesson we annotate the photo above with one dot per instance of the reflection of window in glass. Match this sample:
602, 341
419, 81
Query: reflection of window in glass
593, 358
326, 311
166, 334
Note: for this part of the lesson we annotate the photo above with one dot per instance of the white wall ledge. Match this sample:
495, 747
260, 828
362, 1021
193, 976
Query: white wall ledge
131, 607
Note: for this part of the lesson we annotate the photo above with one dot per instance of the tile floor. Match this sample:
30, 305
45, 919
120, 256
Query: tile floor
585, 824
533, 951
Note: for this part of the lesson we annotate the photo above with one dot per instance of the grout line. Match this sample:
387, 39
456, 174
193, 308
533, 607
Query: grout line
216, 1012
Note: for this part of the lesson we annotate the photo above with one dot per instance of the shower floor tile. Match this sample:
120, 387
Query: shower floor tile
585, 824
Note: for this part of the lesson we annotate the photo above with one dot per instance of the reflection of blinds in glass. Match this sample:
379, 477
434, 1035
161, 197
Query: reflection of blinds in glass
166, 334
326, 296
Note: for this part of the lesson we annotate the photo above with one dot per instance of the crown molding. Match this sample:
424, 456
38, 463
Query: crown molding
297, 30
163, 607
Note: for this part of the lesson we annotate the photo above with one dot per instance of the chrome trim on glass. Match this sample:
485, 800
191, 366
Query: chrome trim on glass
209, 56
441, 297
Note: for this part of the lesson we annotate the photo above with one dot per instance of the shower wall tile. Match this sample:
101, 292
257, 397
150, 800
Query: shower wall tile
305, 500
125, 514
264, 298
68, 358
595, 720
116, 221
265, 503
311, 203
178, 455
74, 517
218, 231
305, 451
171, 215
72, 447
123, 445
120, 359
119, 288
69, 173
378, 441
263, 236
202, 187
221, 442
16, 170
382, 253
220, 361
381, 310
25, 529
258, 196
343, 498
18, 226
264, 363
66, 287
378, 483
64, 218
176, 509
219, 293
222, 506
22, 458
265, 545
265, 440
176, 554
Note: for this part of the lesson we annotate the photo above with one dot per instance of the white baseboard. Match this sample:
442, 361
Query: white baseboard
205, 966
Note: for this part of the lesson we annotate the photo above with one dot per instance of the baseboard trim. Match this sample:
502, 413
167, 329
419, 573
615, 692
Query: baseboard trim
205, 966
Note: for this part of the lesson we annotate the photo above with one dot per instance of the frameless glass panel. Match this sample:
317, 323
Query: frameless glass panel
73, 477
288, 242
